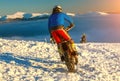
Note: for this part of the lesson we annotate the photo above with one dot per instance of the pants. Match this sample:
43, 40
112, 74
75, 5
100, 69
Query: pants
59, 35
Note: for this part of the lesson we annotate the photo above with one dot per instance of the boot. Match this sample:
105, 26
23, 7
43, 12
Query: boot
60, 50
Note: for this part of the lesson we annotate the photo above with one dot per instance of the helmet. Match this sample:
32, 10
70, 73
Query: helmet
57, 7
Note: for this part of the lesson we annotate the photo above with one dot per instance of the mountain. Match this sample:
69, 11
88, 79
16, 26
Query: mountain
16, 15
24, 16
20, 16
95, 14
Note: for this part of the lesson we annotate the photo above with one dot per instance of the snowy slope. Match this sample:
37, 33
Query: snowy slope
39, 61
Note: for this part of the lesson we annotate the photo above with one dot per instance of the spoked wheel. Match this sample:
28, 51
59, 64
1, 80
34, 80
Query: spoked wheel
70, 59
70, 62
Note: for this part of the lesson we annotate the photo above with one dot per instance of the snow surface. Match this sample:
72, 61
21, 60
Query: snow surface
39, 61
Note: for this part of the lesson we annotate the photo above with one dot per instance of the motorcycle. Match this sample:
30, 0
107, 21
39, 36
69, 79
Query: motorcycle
70, 56
69, 53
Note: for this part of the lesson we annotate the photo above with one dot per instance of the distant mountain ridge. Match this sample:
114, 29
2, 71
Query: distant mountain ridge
95, 14
24, 16
21, 16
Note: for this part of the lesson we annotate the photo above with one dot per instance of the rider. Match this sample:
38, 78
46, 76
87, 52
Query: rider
56, 28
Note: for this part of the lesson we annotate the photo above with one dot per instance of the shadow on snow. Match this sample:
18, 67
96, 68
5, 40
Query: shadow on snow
25, 61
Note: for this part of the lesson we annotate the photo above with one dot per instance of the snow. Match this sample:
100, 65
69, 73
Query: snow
103, 13
71, 14
22, 60
16, 15
94, 14
35, 14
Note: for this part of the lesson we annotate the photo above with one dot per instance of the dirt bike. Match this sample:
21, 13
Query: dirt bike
70, 56
69, 53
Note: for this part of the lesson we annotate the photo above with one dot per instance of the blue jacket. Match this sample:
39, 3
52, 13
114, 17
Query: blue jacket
58, 19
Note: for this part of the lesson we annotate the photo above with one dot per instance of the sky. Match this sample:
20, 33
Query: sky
41, 6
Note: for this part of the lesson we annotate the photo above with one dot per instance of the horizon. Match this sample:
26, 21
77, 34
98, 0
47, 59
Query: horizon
76, 6
24, 15
70, 13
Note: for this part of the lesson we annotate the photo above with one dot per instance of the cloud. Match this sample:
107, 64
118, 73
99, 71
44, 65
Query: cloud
95, 14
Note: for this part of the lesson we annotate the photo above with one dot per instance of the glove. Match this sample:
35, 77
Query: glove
69, 27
